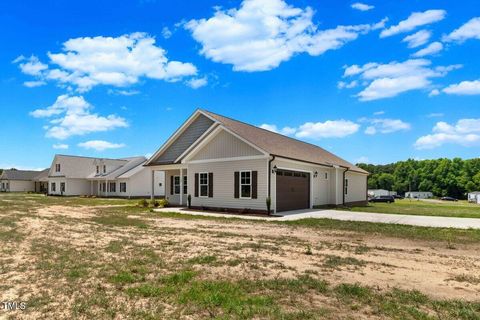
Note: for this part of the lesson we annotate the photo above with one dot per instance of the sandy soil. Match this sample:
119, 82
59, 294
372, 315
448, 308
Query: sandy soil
263, 250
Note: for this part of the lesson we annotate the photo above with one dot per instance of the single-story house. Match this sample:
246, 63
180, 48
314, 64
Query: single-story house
474, 197
226, 164
126, 177
418, 194
380, 192
13, 180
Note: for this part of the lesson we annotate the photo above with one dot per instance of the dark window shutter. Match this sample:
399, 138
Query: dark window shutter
210, 184
171, 185
196, 185
254, 184
236, 185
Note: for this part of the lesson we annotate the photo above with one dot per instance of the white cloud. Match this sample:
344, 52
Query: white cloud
464, 88
33, 84
166, 32
285, 130
123, 92
362, 6
347, 85
61, 146
394, 78
431, 49
196, 83
435, 115
387, 126
415, 20
100, 145
31, 66
74, 117
378, 113
417, 39
466, 132
90, 61
470, 30
261, 34
434, 92
327, 129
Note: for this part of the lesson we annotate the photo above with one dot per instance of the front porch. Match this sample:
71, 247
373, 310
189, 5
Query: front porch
176, 183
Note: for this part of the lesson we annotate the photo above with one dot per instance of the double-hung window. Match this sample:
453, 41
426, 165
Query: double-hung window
246, 184
112, 187
62, 186
104, 169
346, 186
176, 185
203, 184
98, 170
123, 187
53, 187
57, 167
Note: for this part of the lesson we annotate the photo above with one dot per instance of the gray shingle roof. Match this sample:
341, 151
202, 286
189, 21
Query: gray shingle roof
14, 174
282, 146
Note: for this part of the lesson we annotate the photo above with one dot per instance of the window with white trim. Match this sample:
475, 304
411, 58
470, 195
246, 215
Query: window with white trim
53, 187
104, 169
203, 184
57, 167
245, 184
112, 186
176, 185
98, 169
62, 186
123, 187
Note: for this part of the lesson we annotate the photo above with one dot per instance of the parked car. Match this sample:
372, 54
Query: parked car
448, 199
388, 199
397, 196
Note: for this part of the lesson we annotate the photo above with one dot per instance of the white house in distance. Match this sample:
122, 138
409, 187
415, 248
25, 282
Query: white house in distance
126, 177
13, 180
474, 197
225, 164
380, 192
418, 195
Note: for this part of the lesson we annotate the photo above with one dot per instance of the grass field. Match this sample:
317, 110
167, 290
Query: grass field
109, 259
461, 209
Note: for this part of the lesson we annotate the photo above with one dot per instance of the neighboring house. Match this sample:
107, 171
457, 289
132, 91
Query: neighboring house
127, 177
418, 195
41, 181
474, 197
13, 180
225, 164
380, 192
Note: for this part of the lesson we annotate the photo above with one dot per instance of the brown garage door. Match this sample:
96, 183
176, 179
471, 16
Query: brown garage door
293, 190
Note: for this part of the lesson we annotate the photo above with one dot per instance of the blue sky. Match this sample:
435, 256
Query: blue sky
374, 81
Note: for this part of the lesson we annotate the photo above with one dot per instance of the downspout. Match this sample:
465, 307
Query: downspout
270, 177
343, 184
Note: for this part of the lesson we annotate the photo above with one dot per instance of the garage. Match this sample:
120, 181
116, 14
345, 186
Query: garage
293, 190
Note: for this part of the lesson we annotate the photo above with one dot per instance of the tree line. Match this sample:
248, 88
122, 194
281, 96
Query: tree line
443, 177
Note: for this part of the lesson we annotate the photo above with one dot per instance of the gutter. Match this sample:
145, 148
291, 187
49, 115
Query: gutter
343, 184
270, 177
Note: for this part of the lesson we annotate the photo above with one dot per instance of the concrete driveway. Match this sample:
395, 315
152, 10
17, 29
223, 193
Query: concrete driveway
423, 221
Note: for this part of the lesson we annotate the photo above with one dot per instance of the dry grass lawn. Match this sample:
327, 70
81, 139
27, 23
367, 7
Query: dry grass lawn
109, 259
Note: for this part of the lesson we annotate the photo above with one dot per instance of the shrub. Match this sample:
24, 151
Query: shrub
143, 203
154, 203
163, 203
189, 200
268, 202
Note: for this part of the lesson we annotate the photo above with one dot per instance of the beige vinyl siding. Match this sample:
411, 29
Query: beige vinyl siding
321, 190
19, 185
185, 139
357, 187
225, 145
223, 184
